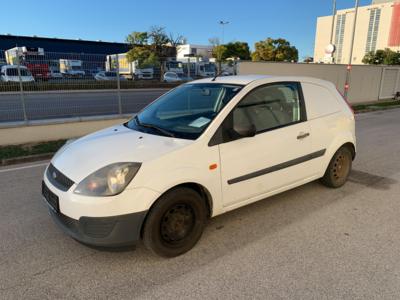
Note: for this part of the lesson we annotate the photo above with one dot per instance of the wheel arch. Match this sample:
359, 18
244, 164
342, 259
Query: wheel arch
197, 187
351, 147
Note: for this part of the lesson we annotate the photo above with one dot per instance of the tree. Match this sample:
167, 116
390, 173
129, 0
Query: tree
374, 58
275, 50
144, 57
160, 46
392, 58
308, 59
219, 52
176, 40
137, 38
382, 57
151, 48
239, 50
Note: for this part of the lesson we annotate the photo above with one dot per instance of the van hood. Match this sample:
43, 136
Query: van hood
88, 154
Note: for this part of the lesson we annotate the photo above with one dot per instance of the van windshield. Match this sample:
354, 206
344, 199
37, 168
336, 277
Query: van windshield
14, 72
186, 111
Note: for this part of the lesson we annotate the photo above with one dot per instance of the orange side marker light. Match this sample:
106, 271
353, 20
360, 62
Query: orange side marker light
212, 167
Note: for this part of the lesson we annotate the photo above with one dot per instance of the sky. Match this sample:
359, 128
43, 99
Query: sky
249, 21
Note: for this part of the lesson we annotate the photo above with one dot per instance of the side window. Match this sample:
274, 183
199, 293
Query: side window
269, 106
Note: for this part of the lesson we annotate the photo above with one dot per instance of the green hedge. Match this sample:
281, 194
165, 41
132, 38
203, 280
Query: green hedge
13, 151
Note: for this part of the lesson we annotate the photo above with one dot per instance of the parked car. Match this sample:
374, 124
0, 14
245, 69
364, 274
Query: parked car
200, 150
107, 76
171, 77
55, 74
9, 73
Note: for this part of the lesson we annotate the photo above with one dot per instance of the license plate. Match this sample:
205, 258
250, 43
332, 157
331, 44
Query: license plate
50, 197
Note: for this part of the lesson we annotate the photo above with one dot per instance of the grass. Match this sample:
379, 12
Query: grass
13, 151
376, 106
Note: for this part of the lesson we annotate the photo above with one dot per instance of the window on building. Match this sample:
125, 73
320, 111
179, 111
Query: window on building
339, 36
373, 27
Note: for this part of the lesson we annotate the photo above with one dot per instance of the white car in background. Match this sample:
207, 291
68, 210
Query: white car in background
171, 77
9, 73
107, 76
202, 149
55, 74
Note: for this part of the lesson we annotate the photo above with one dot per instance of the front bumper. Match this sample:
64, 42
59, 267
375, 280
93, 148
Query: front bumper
115, 231
99, 221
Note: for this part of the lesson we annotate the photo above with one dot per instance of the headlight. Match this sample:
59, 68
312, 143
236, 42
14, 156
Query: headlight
108, 181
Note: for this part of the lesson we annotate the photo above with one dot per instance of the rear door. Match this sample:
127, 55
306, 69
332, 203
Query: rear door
277, 156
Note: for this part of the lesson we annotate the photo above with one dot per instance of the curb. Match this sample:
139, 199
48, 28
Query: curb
372, 109
25, 159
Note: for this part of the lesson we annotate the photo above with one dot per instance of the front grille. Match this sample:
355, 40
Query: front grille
50, 197
58, 179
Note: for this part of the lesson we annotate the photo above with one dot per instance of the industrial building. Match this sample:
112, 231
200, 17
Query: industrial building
50, 51
62, 45
377, 27
204, 52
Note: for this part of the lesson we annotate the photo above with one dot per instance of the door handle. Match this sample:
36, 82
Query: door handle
303, 135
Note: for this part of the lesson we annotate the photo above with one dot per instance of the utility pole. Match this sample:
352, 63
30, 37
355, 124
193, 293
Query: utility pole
346, 87
223, 23
333, 20
188, 65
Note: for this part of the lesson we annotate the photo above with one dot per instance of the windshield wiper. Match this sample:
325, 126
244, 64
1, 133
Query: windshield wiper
159, 129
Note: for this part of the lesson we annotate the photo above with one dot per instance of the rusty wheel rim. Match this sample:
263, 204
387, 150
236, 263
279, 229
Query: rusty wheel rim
341, 167
177, 223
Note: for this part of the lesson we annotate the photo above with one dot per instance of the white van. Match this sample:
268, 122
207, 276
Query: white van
9, 73
202, 149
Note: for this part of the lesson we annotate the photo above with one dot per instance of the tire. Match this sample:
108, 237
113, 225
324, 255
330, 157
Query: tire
175, 223
338, 169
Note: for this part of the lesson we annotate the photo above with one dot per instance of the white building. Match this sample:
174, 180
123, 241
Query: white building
377, 27
202, 51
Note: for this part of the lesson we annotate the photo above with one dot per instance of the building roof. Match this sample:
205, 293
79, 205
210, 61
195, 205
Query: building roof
62, 45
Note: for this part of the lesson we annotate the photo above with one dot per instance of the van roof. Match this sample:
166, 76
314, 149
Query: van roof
246, 79
13, 67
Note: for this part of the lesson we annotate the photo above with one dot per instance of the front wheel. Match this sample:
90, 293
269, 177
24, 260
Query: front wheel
175, 223
338, 169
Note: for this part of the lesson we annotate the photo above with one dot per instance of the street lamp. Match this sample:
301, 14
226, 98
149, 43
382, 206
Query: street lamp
333, 20
223, 23
347, 84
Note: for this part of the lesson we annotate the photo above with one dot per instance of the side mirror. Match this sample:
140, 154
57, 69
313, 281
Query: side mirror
245, 130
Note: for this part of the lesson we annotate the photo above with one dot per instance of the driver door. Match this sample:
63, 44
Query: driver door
277, 155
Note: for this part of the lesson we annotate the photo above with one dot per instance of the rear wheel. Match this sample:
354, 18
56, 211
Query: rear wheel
175, 223
338, 169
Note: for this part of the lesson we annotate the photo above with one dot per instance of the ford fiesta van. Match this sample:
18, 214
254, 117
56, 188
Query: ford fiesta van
200, 150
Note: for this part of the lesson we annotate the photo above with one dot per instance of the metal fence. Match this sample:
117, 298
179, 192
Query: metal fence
367, 83
37, 86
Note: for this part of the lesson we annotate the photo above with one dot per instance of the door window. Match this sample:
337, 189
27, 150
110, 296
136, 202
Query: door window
269, 107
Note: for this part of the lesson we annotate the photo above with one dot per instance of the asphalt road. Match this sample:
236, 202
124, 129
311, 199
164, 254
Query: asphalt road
49, 105
308, 243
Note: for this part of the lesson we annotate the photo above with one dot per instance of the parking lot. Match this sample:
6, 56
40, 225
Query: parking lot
308, 243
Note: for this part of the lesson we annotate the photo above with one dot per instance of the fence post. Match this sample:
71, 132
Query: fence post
21, 87
118, 87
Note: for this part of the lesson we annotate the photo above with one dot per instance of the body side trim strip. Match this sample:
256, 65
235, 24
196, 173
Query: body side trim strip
278, 167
